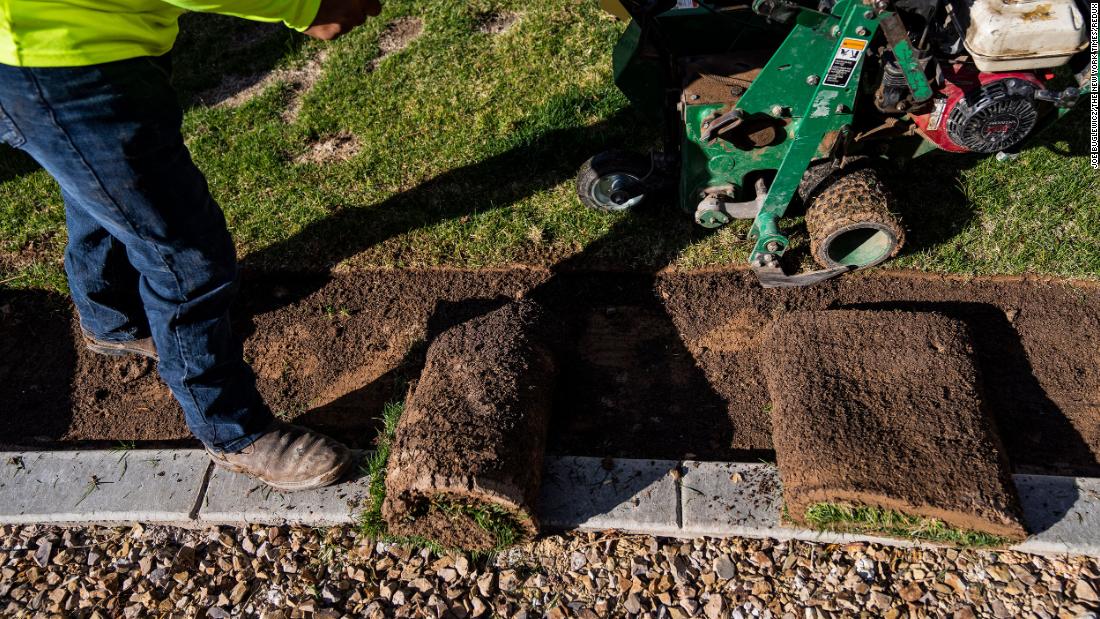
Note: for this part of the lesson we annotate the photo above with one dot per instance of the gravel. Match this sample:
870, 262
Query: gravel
285, 572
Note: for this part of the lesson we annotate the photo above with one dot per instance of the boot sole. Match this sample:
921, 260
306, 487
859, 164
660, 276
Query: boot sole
320, 481
118, 352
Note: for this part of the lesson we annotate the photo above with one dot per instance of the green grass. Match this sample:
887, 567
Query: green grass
469, 145
498, 522
371, 522
873, 520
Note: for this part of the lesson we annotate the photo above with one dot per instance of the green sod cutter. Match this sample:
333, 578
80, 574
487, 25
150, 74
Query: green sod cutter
771, 104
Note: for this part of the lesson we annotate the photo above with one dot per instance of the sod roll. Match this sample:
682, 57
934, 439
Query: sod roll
885, 409
466, 462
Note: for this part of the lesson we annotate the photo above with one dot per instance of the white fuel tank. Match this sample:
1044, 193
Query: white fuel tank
1018, 35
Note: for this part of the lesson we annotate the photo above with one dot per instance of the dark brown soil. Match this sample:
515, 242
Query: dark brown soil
663, 366
41, 398
474, 429
886, 408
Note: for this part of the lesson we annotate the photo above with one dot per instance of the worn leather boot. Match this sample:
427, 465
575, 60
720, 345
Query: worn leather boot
143, 347
289, 457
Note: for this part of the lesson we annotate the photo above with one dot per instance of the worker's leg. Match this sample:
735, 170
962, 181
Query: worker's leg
110, 135
103, 284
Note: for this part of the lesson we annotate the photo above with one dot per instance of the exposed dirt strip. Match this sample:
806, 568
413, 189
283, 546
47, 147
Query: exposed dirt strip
658, 366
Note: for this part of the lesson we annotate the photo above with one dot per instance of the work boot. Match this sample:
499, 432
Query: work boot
289, 457
143, 347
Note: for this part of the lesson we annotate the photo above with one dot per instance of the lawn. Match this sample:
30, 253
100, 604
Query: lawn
458, 147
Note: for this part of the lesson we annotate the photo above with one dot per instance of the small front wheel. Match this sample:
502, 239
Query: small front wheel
614, 181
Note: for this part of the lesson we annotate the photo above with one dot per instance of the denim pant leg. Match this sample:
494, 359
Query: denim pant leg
110, 135
103, 283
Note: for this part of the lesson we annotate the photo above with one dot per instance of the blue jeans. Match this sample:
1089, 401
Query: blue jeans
148, 252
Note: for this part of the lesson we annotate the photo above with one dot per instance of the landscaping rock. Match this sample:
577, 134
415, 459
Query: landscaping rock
886, 409
538, 577
474, 430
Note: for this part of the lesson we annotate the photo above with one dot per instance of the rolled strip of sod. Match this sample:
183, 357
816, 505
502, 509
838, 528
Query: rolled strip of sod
467, 455
885, 409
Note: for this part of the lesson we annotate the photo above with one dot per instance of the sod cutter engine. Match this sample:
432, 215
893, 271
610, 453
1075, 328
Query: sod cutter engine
769, 105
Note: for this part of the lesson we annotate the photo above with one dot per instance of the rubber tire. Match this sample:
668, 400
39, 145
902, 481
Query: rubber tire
817, 177
825, 172
610, 162
856, 199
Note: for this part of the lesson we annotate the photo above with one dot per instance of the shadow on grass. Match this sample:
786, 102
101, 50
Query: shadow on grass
536, 164
217, 56
15, 164
930, 199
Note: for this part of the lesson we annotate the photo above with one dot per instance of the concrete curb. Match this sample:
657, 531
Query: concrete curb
732, 499
656, 497
105, 486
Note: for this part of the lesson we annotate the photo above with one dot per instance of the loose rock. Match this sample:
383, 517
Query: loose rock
320, 573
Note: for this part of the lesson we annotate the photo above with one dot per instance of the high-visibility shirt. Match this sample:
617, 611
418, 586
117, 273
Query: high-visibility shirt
74, 33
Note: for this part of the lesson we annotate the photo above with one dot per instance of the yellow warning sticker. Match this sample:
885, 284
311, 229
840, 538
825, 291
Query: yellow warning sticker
857, 44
